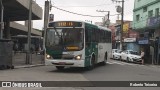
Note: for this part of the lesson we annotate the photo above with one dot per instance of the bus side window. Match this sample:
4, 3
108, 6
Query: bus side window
93, 35
101, 36
87, 37
97, 36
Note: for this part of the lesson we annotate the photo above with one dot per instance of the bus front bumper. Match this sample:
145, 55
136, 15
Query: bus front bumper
70, 63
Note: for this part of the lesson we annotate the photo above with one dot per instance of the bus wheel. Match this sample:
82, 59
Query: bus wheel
93, 62
92, 65
60, 67
105, 59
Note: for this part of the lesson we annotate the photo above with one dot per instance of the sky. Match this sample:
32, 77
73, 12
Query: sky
85, 7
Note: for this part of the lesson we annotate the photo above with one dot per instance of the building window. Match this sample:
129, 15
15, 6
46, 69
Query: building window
150, 13
137, 17
157, 12
145, 9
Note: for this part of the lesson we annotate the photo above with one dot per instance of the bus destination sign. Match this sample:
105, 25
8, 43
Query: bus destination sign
65, 24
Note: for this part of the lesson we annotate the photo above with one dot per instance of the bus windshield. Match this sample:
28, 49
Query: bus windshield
66, 39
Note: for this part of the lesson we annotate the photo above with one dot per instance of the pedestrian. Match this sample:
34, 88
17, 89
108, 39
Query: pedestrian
142, 56
15, 47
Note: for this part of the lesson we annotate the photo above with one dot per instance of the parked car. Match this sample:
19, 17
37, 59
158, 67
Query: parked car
116, 54
130, 56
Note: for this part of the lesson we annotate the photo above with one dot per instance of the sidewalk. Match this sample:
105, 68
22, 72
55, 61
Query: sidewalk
19, 60
151, 65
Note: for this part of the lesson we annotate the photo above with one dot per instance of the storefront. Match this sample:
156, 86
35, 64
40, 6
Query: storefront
157, 51
131, 44
144, 44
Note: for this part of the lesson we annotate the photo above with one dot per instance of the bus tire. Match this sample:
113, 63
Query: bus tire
105, 59
92, 65
60, 67
93, 61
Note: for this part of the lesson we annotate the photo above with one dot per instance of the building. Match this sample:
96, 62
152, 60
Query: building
113, 28
146, 20
129, 37
18, 10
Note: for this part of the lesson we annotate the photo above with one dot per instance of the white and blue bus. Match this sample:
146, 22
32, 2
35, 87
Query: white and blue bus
77, 44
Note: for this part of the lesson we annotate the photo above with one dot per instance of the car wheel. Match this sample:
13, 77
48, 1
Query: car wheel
113, 57
120, 58
127, 59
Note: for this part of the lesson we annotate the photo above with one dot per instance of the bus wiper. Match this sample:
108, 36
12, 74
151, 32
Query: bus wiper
60, 37
57, 33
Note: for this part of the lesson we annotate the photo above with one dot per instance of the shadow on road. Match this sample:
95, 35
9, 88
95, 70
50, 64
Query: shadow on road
78, 69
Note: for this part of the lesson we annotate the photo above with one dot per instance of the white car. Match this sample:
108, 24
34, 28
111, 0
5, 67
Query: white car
116, 53
130, 56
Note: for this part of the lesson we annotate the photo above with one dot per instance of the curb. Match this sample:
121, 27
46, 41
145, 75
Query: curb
28, 66
157, 66
150, 65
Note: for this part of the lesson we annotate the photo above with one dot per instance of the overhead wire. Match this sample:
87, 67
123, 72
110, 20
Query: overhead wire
74, 12
57, 7
87, 6
78, 13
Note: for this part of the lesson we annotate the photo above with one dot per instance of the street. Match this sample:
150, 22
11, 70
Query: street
113, 71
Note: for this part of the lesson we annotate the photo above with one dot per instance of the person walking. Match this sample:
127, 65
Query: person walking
15, 47
142, 56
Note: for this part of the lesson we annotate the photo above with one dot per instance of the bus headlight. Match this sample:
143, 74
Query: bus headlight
48, 56
78, 57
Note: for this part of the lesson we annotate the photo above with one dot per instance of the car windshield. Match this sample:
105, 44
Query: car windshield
119, 51
133, 52
68, 39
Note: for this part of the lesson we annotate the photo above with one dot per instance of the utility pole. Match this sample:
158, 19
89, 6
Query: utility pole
118, 16
105, 17
1, 27
46, 20
28, 56
122, 22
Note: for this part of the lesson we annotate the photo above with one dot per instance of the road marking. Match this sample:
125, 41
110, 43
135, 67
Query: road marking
131, 64
120, 63
115, 63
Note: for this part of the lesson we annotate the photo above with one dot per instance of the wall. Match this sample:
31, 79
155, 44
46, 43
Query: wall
143, 15
140, 3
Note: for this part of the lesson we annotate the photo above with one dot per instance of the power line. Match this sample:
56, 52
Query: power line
78, 13
88, 6
75, 13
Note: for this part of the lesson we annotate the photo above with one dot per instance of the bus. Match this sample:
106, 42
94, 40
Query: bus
77, 44
22, 43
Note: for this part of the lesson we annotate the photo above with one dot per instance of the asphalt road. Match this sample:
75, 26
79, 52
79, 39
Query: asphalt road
113, 71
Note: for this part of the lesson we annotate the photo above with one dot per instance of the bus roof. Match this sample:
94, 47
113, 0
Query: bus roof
104, 28
25, 36
100, 27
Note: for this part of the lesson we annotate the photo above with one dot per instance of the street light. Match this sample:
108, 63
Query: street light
122, 22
